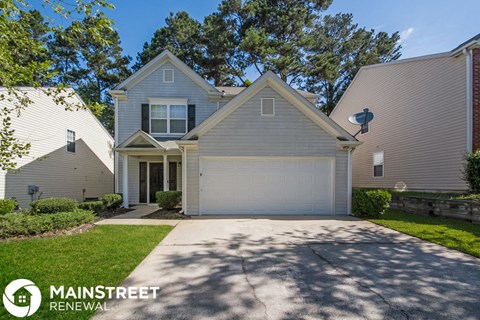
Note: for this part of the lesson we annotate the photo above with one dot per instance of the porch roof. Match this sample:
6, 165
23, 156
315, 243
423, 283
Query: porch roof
142, 143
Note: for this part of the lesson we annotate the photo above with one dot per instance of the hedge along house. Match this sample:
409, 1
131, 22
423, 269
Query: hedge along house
265, 149
427, 115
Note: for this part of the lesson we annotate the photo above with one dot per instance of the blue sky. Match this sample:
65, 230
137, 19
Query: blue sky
427, 26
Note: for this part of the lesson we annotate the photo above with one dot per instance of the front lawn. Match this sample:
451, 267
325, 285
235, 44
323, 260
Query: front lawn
105, 255
455, 234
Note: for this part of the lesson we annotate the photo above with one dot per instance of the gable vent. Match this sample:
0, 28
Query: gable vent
268, 106
168, 75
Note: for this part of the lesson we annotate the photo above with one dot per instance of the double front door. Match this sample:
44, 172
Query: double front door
152, 177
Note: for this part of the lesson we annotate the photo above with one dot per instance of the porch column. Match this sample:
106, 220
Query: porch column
125, 181
166, 173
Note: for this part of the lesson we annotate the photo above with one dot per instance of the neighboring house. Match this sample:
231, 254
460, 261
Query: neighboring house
427, 115
265, 149
71, 153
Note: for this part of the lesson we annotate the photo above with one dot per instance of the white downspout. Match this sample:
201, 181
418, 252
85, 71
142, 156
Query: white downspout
349, 182
468, 54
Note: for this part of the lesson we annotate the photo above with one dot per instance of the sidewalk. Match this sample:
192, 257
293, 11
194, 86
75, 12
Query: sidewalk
134, 217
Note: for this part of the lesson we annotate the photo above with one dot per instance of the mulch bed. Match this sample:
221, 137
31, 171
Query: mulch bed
111, 213
166, 214
75, 230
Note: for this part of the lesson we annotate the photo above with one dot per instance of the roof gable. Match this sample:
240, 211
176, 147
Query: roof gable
140, 139
287, 92
157, 62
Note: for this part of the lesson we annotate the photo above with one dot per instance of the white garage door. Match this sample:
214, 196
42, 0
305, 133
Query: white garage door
266, 186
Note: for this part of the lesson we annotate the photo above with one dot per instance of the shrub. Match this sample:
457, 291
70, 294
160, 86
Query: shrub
95, 206
21, 224
471, 172
370, 203
7, 205
54, 205
112, 201
168, 200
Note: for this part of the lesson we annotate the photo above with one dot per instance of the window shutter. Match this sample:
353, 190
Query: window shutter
191, 116
146, 118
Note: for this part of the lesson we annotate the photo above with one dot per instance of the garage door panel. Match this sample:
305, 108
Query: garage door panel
266, 186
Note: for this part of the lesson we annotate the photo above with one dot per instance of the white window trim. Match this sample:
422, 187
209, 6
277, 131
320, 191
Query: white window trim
261, 108
74, 141
173, 75
168, 103
383, 164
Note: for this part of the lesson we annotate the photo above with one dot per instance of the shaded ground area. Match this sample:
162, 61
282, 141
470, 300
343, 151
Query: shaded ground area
166, 214
300, 269
452, 233
112, 213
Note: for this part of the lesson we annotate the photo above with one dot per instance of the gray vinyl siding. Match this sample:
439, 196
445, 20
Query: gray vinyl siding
152, 86
420, 123
341, 183
246, 133
58, 173
133, 179
193, 187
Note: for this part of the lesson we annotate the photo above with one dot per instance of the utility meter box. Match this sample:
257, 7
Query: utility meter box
32, 189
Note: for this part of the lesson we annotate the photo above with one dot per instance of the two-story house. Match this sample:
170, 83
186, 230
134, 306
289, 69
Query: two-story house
427, 115
265, 149
71, 153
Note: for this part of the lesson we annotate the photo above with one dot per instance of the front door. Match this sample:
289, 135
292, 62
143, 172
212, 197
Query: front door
172, 182
156, 179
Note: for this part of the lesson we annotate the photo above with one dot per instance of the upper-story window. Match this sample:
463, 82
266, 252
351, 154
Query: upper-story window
71, 141
168, 75
168, 118
378, 164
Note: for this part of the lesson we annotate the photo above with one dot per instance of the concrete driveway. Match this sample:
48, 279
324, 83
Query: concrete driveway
300, 269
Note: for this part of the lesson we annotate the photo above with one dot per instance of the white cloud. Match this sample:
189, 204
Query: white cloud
405, 34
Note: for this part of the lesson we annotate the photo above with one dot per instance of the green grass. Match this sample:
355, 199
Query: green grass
441, 196
104, 256
455, 234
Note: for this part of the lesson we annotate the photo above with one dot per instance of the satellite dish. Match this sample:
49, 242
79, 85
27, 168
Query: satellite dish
361, 117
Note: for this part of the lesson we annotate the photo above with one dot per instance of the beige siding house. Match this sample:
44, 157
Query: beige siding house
265, 149
424, 121
71, 152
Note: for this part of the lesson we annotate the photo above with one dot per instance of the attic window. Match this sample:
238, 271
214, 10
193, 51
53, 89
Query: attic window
168, 75
268, 106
